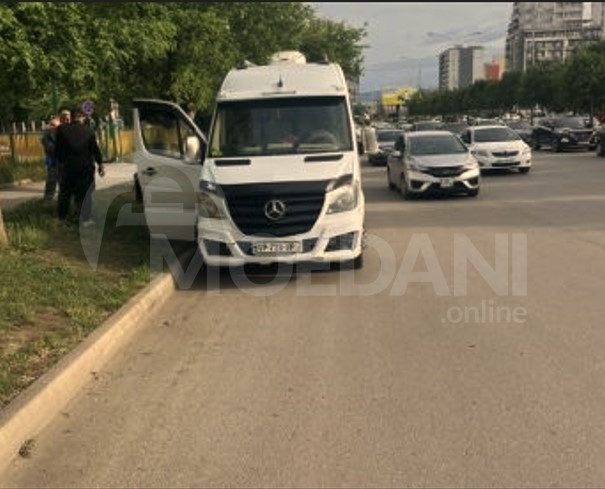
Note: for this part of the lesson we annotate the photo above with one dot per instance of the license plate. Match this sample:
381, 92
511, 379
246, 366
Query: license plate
447, 182
277, 248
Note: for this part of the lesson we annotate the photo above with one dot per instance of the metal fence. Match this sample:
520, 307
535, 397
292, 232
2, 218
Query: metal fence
23, 147
22, 154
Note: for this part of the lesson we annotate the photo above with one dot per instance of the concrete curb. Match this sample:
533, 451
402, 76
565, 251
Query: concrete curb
31, 411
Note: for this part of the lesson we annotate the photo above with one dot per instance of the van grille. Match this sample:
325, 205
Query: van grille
303, 203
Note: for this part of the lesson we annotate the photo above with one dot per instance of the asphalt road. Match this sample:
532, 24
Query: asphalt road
229, 388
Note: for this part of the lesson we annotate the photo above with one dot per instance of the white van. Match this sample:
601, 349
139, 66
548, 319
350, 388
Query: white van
280, 180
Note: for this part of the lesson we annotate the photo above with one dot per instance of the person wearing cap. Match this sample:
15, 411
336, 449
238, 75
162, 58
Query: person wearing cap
48, 142
76, 150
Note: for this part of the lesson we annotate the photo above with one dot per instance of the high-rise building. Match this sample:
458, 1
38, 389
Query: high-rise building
460, 67
549, 31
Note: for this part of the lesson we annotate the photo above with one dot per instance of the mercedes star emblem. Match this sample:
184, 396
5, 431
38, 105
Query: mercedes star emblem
275, 209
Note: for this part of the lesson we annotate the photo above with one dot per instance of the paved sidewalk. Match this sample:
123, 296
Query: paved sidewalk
115, 174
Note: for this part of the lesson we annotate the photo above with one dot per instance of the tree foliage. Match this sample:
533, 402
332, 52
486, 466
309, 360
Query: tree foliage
576, 85
179, 51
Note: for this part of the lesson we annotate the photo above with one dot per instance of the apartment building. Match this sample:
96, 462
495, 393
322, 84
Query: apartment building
550, 31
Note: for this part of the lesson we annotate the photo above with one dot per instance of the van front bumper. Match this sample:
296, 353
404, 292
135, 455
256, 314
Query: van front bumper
333, 238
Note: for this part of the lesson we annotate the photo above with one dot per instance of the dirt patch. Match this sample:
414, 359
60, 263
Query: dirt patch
43, 322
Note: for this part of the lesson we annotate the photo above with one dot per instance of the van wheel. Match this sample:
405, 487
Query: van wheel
524, 170
354, 264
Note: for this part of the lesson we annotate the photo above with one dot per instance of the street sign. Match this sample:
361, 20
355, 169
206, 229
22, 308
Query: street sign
88, 107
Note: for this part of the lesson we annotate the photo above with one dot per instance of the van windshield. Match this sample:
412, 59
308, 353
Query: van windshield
278, 126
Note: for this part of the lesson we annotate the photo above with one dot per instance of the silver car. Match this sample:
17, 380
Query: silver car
432, 161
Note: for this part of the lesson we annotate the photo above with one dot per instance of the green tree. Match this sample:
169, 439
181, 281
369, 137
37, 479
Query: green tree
583, 78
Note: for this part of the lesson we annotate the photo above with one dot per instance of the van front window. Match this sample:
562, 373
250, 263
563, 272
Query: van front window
278, 126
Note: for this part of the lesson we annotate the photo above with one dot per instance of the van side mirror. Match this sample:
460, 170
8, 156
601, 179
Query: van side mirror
194, 153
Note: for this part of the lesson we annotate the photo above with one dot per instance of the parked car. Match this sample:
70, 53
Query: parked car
456, 127
432, 161
486, 122
428, 126
559, 133
498, 148
280, 180
386, 141
523, 128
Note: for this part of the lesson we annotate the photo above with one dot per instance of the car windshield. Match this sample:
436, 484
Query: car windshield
520, 125
436, 145
428, 126
278, 126
387, 136
496, 134
570, 122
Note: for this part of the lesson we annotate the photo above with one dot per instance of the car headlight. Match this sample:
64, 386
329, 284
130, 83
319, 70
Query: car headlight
343, 198
527, 152
208, 202
480, 153
471, 165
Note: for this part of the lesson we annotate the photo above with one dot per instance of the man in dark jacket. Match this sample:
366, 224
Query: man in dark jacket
76, 150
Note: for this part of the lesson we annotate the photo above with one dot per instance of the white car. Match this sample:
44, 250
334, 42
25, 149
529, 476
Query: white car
432, 161
498, 148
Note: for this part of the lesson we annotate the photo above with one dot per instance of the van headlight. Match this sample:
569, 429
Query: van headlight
208, 203
344, 198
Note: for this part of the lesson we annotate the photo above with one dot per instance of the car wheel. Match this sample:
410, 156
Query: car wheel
524, 170
556, 145
600, 149
403, 189
391, 184
535, 144
473, 193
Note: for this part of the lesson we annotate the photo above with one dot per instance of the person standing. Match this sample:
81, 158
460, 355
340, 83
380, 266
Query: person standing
48, 142
76, 150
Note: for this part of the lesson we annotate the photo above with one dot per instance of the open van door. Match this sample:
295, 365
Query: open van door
169, 153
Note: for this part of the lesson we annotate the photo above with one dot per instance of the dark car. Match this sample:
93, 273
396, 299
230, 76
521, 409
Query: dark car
428, 126
386, 141
524, 129
456, 127
569, 132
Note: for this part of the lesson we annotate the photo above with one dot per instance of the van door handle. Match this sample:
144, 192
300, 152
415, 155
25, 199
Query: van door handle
150, 171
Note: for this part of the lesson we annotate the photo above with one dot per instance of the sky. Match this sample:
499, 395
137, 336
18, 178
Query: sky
405, 36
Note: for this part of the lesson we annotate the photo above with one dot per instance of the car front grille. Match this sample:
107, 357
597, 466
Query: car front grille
582, 136
504, 154
445, 171
303, 202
